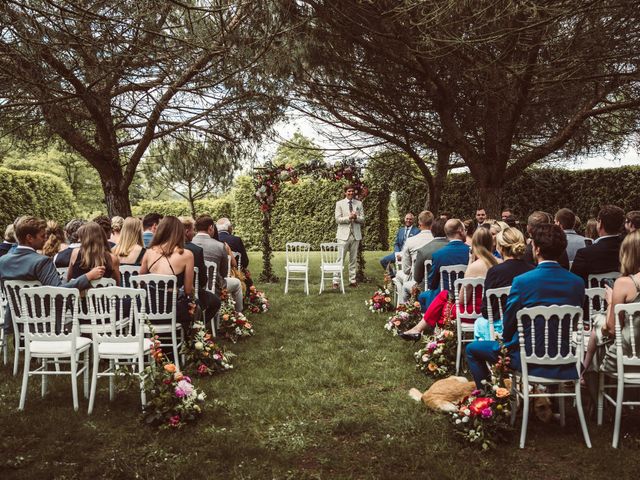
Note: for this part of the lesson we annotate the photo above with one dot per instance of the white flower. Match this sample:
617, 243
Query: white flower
465, 419
458, 421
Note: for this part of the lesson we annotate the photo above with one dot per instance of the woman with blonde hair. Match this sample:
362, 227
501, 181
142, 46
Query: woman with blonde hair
510, 245
130, 246
93, 252
55, 242
116, 228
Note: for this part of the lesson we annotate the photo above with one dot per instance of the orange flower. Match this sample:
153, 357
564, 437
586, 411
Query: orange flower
397, 322
432, 367
178, 376
225, 317
416, 304
170, 368
502, 392
247, 325
387, 299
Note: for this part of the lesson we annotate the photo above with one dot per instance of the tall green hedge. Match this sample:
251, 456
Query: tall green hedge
217, 207
34, 193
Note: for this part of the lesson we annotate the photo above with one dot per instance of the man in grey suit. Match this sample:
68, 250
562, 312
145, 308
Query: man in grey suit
425, 253
349, 216
567, 220
215, 251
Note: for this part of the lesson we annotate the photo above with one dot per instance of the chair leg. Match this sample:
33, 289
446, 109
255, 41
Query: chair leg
43, 387
143, 394
342, 281
321, 280
618, 417
174, 342
583, 422
458, 352
25, 382
94, 381
561, 407
600, 398
74, 380
525, 415
16, 353
86, 374
112, 390
306, 281
3, 343
286, 283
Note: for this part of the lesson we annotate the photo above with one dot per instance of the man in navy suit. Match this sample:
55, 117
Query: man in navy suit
409, 230
547, 284
456, 252
225, 235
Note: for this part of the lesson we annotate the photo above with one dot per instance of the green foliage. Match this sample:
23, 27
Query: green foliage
216, 207
34, 193
376, 209
297, 150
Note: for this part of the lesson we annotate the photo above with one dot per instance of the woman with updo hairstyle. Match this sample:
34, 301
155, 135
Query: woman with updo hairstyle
116, 228
55, 239
510, 245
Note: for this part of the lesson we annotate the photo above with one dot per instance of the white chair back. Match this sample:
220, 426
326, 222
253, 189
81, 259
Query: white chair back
126, 271
212, 274
451, 273
595, 303
103, 283
196, 282
43, 310
12, 295
297, 254
627, 354
161, 292
599, 279
496, 304
331, 254
238, 257
468, 294
397, 256
108, 307
545, 334
427, 270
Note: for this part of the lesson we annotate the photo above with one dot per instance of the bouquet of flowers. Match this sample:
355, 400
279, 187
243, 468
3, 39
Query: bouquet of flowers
437, 358
483, 418
407, 315
172, 399
256, 301
381, 301
203, 354
233, 325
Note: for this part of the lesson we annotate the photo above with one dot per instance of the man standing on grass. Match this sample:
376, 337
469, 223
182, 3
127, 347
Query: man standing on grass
349, 217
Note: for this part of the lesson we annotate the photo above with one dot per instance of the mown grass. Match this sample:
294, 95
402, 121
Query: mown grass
319, 393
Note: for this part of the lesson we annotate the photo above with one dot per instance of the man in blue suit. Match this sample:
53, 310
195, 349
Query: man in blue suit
409, 230
547, 284
454, 253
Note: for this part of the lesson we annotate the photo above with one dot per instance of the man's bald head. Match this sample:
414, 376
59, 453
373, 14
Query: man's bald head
454, 229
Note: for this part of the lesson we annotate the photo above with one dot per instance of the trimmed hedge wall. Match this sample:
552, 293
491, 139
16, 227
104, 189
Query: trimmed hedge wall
218, 207
34, 193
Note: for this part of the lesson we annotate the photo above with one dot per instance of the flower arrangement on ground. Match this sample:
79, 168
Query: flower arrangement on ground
233, 325
483, 418
437, 357
406, 316
204, 355
172, 400
256, 301
381, 301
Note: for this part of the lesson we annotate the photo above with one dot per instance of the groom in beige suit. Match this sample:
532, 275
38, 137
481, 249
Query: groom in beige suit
349, 217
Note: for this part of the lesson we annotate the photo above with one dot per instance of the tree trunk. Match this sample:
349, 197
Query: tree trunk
490, 196
439, 180
116, 198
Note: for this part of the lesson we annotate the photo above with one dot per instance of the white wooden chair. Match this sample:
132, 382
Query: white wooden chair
427, 269
126, 272
331, 258
41, 313
498, 295
114, 342
397, 258
84, 316
12, 297
599, 279
451, 273
595, 303
627, 373
235, 255
297, 264
196, 282
162, 295
467, 293
3, 318
561, 319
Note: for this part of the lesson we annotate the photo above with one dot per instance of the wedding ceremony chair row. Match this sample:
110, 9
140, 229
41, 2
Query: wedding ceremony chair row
331, 263
467, 293
297, 264
600, 279
627, 374
41, 313
499, 296
556, 322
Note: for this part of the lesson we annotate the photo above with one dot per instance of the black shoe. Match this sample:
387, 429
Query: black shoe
410, 336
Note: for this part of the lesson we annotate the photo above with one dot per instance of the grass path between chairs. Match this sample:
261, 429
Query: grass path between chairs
319, 393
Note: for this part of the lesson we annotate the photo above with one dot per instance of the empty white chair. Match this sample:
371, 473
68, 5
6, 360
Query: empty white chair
162, 295
42, 313
126, 271
451, 273
556, 322
599, 279
468, 295
297, 264
497, 297
111, 340
627, 373
331, 255
12, 297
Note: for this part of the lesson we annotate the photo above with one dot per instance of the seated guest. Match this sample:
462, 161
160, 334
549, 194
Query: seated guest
71, 232
632, 221
426, 252
150, 225
129, 248
94, 251
480, 261
456, 252
506, 213
225, 234
603, 255
116, 228
496, 227
55, 239
535, 219
408, 230
481, 217
409, 252
547, 284
9, 242
510, 244
470, 229
105, 224
209, 302
216, 251
591, 230
567, 220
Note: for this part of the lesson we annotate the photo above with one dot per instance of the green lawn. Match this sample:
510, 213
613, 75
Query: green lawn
319, 392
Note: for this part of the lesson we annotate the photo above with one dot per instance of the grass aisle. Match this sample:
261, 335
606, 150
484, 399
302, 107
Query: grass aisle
319, 392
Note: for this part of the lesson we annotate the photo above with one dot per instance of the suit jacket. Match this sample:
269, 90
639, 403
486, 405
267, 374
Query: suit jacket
214, 251
198, 262
410, 249
400, 237
547, 284
574, 243
528, 257
601, 257
454, 253
146, 238
5, 247
426, 253
236, 244
346, 226
502, 275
